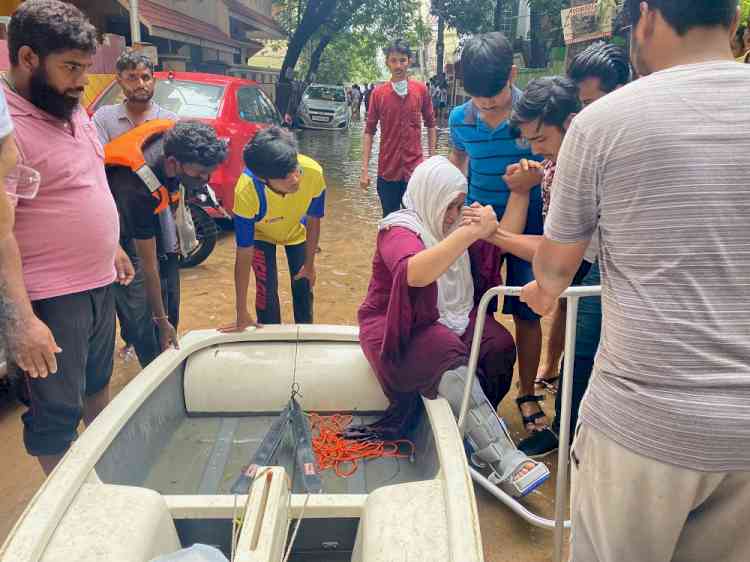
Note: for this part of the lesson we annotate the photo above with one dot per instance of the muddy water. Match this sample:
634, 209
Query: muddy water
343, 269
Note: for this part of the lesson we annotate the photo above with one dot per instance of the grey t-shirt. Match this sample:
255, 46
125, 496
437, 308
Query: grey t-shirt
112, 120
661, 169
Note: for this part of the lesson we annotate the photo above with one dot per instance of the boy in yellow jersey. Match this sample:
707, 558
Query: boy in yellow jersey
278, 201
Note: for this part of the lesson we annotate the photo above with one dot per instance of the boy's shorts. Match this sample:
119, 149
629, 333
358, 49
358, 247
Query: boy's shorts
518, 271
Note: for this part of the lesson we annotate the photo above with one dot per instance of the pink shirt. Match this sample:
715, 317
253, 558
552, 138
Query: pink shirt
69, 232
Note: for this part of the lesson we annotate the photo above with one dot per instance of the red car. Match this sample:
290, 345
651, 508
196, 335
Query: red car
237, 108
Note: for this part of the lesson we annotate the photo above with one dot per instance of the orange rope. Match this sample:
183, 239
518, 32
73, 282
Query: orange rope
332, 451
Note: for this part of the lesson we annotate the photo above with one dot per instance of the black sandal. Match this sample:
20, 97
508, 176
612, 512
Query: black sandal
531, 420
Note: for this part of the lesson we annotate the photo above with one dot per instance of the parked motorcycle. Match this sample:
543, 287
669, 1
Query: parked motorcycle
203, 204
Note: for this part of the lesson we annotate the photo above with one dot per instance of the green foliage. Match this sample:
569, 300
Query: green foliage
350, 57
745, 11
466, 16
351, 36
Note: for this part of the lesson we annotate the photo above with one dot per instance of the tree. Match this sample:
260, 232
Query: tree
316, 13
466, 16
440, 46
545, 30
499, 18
359, 29
349, 57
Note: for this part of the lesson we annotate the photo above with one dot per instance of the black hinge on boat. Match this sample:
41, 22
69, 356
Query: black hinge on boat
265, 452
305, 461
305, 456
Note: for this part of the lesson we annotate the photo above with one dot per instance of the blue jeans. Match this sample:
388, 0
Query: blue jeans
588, 331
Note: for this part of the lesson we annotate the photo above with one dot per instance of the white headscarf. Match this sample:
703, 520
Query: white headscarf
433, 186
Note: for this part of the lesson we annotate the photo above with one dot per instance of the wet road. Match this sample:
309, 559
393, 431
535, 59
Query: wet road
343, 269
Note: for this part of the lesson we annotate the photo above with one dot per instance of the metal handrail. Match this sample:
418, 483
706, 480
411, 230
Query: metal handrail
559, 523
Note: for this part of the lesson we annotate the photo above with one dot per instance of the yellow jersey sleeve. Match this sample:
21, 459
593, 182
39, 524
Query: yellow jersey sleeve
312, 176
246, 202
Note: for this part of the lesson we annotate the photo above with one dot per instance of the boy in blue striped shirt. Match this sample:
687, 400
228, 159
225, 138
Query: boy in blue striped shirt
486, 150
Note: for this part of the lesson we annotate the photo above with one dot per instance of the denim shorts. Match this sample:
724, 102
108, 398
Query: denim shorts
519, 271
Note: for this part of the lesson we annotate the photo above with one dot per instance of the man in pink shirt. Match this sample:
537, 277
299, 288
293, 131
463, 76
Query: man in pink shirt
68, 234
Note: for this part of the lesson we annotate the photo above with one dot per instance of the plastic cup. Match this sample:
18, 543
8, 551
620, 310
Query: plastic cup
22, 182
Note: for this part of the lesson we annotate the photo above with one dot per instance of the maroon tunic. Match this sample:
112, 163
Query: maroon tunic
401, 337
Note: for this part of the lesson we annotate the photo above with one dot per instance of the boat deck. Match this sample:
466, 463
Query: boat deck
204, 455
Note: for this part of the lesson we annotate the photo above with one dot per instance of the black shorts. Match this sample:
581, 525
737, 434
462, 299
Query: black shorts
83, 325
391, 194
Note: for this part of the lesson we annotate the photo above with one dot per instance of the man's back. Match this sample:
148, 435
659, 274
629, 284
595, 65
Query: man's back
663, 165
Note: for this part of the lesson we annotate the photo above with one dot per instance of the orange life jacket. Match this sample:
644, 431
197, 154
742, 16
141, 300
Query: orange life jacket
127, 151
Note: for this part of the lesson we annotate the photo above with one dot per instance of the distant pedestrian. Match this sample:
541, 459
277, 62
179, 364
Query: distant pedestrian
356, 99
399, 107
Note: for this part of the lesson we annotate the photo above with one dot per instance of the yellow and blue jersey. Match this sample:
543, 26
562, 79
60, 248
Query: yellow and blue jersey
262, 214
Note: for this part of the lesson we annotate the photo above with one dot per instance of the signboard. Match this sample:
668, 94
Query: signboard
583, 23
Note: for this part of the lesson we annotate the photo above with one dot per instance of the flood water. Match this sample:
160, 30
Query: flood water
340, 154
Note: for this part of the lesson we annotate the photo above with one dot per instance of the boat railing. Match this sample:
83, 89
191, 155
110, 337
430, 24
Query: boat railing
559, 523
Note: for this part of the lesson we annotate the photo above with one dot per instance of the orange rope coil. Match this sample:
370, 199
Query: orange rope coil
332, 451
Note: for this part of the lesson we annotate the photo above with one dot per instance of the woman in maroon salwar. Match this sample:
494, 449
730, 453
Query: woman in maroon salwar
417, 321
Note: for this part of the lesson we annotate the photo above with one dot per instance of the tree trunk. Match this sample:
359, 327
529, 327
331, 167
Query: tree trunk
440, 47
316, 14
538, 49
499, 16
317, 55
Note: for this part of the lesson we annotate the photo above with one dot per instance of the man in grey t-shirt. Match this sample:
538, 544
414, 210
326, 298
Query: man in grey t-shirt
135, 76
659, 169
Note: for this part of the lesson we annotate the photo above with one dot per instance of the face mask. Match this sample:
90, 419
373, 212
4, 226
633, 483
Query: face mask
401, 88
192, 183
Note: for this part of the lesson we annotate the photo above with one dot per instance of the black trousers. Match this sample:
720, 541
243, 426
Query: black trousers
134, 313
267, 305
391, 193
83, 325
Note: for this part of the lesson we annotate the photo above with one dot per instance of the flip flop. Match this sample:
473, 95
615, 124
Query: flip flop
549, 384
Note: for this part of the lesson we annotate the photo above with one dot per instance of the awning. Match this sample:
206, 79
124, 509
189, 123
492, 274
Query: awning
267, 27
171, 24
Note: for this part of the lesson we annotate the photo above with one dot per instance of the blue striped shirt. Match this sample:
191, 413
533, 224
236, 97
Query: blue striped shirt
490, 153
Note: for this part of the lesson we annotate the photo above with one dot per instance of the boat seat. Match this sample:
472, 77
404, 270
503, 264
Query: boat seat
403, 522
256, 377
107, 522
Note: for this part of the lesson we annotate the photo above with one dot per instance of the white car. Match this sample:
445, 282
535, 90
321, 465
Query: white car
324, 106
